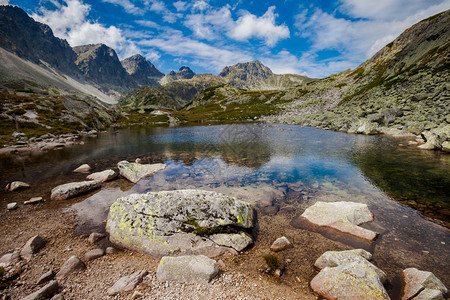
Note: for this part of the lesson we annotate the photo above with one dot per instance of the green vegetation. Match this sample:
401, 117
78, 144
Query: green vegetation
205, 231
273, 262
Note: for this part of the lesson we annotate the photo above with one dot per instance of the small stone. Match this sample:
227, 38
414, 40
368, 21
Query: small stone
93, 254
12, 206
277, 273
137, 295
45, 292
135, 172
221, 264
95, 237
9, 259
281, 244
189, 268
17, 186
111, 250
32, 246
102, 176
72, 265
46, 277
138, 160
127, 283
34, 200
85, 168
58, 297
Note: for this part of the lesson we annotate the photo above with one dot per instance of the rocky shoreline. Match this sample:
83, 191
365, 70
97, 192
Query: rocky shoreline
56, 263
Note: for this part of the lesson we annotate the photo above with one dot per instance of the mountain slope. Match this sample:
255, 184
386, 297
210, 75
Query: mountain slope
142, 72
246, 75
34, 41
402, 88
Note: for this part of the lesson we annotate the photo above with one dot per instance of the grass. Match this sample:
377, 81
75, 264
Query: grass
273, 262
204, 231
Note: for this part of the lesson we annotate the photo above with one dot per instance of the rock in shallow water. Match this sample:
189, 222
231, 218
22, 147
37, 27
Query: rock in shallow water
102, 176
135, 172
85, 168
348, 275
422, 285
343, 216
72, 189
189, 268
176, 222
17, 186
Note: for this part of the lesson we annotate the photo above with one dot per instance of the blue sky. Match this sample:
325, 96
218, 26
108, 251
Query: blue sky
314, 38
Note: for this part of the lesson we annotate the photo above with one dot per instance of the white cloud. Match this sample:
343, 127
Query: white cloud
249, 26
213, 58
127, 5
180, 5
70, 21
159, 7
4, 2
357, 40
148, 23
211, 24
200, 5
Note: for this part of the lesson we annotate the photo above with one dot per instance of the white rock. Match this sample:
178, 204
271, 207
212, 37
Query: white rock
280, 244
189, 268
84, 168
16, 186
34, 200
135, 172
102, 176
343, 216
12, 206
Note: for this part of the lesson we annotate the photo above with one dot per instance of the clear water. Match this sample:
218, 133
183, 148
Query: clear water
281, 169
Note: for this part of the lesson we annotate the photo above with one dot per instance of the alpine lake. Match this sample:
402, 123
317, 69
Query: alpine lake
280, 169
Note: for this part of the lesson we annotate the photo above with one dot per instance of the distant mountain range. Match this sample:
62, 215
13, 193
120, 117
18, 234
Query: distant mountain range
402, 88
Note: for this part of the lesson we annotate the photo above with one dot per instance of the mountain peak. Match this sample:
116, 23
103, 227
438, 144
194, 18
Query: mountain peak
141, 70
246, 74
183, 73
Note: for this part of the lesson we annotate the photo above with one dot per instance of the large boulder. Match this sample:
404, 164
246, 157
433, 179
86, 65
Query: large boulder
438, 138
422, 285
348, 275
180, 222
72, 189
135, 172
343, 216
188, 268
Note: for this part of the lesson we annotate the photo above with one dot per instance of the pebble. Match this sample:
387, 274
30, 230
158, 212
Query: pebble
95, 237
34, 200
12, 206
93, 254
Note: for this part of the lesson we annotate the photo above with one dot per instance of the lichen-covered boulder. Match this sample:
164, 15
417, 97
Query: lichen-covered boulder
343, 216
135, 172
179, 222
422, 285
348, 275
364, 127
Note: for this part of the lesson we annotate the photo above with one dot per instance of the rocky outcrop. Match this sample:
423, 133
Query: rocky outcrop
72, 189
422, 285
438, 138
187, 269
100, 64
135, 172
343, 216
141, 71
349, 275
179, 222
183, 73
246, 75
127, 283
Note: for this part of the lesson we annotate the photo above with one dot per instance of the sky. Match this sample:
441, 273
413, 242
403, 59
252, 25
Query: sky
315, 38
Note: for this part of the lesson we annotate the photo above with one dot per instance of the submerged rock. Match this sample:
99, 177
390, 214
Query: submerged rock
102, 176
135, 172
179, 222
422, 285
16, 186
127, 283
348, 275
343, 216
72, 189
188, 268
